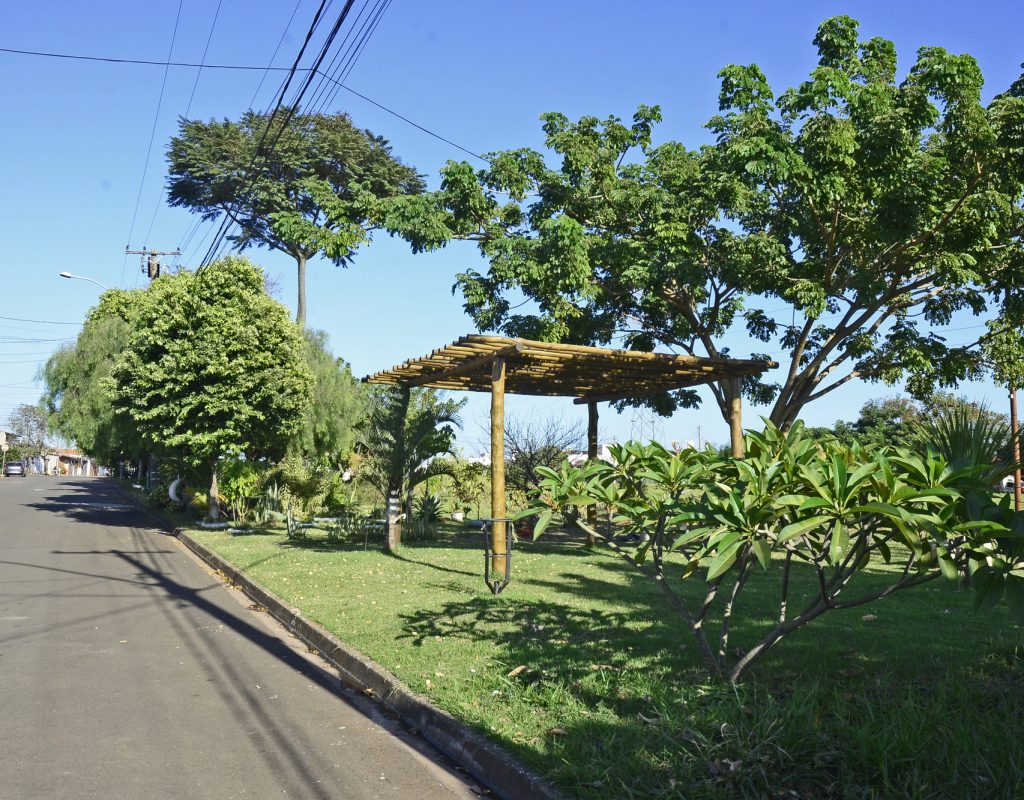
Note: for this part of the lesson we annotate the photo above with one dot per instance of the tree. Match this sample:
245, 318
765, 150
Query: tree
30, 425
338, 405
213, 366
291, 182
403, 432
530, 444
903, 421
886, 204
811, 515
76, 395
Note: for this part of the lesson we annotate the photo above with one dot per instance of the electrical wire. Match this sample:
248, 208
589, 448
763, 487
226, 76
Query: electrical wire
221, 239
251, 68
280, 41
188, 106
226, 221
152, 137
40, 321
146, 62
320, 93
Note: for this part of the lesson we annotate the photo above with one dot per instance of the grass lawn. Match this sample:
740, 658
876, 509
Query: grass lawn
580, 669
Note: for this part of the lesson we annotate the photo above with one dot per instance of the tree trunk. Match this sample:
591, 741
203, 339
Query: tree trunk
214, 493
300, 310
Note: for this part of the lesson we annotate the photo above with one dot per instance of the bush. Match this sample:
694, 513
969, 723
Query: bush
829, 506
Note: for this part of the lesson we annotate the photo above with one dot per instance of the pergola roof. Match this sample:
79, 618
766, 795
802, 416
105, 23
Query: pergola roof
562, 370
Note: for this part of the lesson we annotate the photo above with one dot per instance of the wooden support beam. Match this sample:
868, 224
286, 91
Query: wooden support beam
736, 416
498, 511
464, 367
592, 455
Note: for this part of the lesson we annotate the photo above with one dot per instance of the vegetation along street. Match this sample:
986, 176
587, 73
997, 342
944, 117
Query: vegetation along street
553, 402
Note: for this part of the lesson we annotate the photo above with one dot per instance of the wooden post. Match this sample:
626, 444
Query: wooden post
1015, 433
393, 534
592, 455
498, 465
735, 417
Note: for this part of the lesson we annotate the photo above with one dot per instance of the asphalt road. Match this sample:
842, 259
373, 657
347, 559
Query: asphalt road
128, 670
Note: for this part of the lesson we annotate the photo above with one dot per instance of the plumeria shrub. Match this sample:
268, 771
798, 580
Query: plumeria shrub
793, 504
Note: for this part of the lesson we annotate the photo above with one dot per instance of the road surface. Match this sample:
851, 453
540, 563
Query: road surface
128, 670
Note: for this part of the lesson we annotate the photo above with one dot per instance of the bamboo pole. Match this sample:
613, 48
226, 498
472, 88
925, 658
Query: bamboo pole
592, 455
498, 465
736, 417
1015, 433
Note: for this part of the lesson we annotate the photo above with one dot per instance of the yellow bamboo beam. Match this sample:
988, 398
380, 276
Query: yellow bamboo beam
592, 455
736, 417
498, 511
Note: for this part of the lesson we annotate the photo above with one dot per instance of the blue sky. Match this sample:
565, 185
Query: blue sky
74, 146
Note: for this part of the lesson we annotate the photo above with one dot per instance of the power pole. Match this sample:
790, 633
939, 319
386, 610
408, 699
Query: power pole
151, 260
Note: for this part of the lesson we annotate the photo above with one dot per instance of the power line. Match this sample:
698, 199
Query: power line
405, 119
343, 53
226, 222
152, 135
188, 106
251, 68
221, 237
40, 321
280, 41
146, 62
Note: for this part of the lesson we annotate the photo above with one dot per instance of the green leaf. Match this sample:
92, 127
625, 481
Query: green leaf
948, 567
762, 551
840, 543
724, 560
801, 527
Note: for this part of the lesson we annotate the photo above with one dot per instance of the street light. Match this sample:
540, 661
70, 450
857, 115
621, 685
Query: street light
83, 278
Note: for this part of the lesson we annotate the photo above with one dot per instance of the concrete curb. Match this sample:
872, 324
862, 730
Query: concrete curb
485, 761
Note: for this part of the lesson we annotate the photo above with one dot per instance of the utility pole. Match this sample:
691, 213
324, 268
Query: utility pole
151, 260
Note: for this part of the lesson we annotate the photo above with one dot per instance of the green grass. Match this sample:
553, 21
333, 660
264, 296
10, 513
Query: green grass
913, 696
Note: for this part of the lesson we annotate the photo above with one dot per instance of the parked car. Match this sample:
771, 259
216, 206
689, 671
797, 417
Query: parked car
14, 468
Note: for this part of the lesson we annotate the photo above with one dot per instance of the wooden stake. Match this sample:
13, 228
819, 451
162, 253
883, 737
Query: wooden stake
1015, 433
735, 417
592, 455
498, 466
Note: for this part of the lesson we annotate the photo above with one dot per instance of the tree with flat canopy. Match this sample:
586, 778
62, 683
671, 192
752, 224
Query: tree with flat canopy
75, 394
213, 367
296, 183
866, 209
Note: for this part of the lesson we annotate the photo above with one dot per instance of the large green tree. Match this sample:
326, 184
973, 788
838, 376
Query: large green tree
213, 366
338, 405
866, 208
292, 182
75, 378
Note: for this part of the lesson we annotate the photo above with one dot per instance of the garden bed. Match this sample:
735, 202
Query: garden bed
579, 669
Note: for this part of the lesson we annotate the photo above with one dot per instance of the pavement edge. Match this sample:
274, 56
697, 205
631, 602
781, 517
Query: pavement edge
481, 758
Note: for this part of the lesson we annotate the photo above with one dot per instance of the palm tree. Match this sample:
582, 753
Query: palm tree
402, 434
968, 435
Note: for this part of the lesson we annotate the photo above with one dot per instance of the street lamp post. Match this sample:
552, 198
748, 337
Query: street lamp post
83, 278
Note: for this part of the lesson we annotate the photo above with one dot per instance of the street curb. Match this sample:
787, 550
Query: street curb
481, 758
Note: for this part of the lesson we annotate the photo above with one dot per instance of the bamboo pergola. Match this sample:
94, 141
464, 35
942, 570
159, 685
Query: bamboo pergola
501, 365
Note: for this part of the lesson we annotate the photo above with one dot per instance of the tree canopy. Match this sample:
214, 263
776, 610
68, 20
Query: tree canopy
292, 182
76, 381
30, 425
337, 406
868, 208
213, 366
